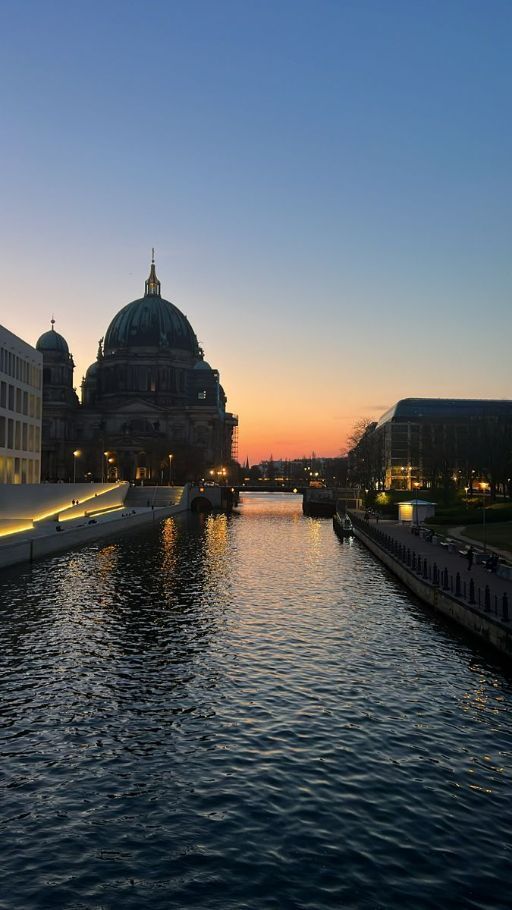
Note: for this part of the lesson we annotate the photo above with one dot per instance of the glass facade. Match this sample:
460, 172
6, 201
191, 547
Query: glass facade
20, 410
415, 429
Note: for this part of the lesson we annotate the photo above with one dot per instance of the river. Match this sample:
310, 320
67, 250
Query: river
244, 713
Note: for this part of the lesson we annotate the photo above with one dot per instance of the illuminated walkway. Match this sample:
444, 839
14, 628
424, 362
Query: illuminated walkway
443, 565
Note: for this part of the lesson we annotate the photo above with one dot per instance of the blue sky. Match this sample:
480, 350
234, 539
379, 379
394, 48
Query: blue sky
327, 186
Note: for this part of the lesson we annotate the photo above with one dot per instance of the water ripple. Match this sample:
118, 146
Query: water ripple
244, 713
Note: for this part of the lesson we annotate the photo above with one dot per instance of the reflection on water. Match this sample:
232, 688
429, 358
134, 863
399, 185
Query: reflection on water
243, 712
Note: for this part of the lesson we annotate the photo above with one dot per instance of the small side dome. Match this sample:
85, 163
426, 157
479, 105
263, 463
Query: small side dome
92, 371
202, 365
52, 341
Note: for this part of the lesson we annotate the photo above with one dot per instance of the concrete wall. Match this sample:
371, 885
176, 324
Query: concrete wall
33, 502
17, 551
492, 631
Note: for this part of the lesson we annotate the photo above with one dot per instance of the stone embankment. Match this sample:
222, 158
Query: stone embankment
440, 575
133, 508
53, 537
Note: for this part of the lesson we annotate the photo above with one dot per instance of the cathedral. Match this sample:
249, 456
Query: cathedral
152, 408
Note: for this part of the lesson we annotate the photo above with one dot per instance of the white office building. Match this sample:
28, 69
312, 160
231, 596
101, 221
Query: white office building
21, 369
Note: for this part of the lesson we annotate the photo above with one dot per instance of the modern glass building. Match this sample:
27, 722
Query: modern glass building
420, 441
20, 410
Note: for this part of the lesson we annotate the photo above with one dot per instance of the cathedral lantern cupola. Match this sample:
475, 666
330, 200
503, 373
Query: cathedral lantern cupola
152, 284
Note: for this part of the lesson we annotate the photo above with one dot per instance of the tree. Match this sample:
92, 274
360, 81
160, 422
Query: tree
366, 455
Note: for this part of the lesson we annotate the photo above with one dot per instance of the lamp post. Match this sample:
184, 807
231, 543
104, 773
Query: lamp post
75, 456
483, 487
416, 521
170, 470
104, 467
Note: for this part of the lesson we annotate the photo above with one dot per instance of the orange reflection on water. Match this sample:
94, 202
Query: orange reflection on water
108, 558
169, 545
216, 542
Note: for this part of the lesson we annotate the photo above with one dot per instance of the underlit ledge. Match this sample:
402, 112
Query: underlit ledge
23, 505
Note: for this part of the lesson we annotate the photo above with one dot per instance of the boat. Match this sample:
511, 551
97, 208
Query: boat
342, 525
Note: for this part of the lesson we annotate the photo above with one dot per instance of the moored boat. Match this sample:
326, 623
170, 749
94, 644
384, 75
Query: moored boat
342, 525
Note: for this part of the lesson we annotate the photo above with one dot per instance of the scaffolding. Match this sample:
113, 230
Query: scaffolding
234, 443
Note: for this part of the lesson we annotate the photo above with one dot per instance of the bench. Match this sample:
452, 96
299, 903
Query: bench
448, 544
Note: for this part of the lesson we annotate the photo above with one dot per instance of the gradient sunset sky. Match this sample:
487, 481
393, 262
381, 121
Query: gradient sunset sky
327, 186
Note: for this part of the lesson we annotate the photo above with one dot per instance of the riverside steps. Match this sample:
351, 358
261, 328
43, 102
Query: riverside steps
474, 598
100, 512
55, 535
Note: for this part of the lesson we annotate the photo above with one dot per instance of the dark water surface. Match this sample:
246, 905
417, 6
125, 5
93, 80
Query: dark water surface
245, 713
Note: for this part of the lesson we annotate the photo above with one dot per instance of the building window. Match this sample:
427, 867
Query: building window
201, 395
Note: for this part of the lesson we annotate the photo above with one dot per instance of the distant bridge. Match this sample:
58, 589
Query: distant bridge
315, 500
270, 488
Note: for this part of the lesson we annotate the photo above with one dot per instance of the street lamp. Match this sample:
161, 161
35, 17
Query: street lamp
104, 467
170, 470
483, 487
75, 456
416, 521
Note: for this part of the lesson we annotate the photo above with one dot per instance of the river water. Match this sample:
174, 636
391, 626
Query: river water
244, 712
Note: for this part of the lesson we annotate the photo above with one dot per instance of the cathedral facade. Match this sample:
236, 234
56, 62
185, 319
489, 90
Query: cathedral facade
152, 408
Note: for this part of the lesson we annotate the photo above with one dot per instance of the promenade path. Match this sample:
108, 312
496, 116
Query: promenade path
489, 588
458, 533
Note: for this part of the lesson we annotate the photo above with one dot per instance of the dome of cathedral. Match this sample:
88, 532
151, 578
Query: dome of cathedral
52, 341
150, 321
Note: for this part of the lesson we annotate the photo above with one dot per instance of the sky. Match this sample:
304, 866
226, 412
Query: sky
326, 185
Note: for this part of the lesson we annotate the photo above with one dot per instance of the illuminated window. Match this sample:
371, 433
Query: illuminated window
201, 395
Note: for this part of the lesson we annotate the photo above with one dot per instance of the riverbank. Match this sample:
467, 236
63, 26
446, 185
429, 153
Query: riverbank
439, 575
55, 537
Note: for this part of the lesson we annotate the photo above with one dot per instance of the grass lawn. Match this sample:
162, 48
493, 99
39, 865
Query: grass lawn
498, 534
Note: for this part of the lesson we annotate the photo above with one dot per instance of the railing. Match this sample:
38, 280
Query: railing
428, 571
